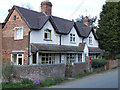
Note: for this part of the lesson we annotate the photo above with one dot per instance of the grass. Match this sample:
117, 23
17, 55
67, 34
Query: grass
18, 85
115, 67
83, 74
26, 84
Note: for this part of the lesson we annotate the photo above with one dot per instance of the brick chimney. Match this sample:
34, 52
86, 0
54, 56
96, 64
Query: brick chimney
86, 21
0, 43
46, 7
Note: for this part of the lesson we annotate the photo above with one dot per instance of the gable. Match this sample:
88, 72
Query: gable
11, 18
30, 17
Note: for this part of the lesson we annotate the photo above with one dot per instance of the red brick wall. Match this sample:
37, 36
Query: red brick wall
112, 63
0, 43
9, 44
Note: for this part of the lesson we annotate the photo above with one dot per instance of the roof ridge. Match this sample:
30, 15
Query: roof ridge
63, 18
26, 9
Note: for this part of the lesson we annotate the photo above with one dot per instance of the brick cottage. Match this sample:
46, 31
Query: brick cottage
30, 37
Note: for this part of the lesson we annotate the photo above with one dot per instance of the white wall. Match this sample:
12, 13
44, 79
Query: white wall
38, 35
95, 42
66, 38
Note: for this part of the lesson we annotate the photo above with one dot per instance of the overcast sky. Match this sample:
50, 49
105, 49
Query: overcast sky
68, 9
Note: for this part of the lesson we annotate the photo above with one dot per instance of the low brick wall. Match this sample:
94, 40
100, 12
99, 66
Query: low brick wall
80, 68
40, 72
112, 63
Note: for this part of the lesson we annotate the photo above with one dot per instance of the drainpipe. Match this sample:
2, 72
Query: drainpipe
60, 45
29, 47
60, 39
82, 40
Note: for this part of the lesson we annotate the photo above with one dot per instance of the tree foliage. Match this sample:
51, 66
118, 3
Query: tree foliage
91, 19
109, 28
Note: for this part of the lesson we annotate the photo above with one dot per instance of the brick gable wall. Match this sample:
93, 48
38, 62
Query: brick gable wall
9, 44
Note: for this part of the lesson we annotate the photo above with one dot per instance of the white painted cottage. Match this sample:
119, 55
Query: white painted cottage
58, 40
40, 38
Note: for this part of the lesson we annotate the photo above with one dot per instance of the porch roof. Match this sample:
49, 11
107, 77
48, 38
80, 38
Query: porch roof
56, 48
95, 50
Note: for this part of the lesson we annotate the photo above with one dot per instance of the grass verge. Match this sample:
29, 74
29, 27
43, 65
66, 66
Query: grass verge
45, 83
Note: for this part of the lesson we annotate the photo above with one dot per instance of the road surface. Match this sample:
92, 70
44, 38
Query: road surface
108, 79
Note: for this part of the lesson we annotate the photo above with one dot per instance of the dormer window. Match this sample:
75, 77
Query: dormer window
47, 34
14, 17
72, 37
18, 33
90, 40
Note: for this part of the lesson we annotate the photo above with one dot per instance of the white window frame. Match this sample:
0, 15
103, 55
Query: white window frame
80, 57
48, 32
17, 58
16, 31
72, 38
90, 40
62, 58
47, 57
71, 58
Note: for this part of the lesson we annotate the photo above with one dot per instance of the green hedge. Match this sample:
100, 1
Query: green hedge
117, 56
96, 63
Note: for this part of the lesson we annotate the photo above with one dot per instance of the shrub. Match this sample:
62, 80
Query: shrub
105, 55
96, 63
117, 56
26, 81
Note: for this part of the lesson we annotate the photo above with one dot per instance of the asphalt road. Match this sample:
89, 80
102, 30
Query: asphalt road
108, 79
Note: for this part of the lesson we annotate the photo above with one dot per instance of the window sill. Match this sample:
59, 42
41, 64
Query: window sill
17, 39
73, 42
47, 40
91, 44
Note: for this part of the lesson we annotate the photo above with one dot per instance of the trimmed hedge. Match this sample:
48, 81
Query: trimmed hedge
117, 56
96, 63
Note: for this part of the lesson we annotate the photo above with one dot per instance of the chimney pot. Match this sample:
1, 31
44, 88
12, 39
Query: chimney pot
9, 10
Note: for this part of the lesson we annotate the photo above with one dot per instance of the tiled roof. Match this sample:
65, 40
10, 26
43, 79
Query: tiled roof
63, 26
83, 30
93, 49
36, 20
56, 48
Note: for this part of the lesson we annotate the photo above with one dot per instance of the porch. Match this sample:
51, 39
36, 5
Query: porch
56, 54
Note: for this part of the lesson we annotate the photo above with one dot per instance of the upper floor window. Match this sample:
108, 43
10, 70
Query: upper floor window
47, 34
18, 33
72, 37
90, 40
14, 17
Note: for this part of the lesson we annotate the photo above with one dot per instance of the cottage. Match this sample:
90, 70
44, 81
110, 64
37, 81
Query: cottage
31, 37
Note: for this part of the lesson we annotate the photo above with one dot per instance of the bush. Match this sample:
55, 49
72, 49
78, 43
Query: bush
117, 56
105, 55
96, 63
26, 81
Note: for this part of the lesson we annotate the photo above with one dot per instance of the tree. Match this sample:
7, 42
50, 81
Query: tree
91, 19
109, 28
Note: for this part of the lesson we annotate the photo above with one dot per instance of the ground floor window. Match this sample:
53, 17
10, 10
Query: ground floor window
48, 58
71, 58
79, 57
17, 59
93, 56
34, 58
